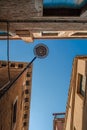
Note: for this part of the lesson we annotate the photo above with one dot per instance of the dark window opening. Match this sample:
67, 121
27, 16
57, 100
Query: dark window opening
14, 112
49, 34
26, 91
24, 123
21, 98
12, 65
26, 99
27, 82
26, 107
28, 74
81, 84
3, 64
20, 65
25, 116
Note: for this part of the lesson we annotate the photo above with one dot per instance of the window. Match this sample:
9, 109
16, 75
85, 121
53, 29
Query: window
12, 65
27, 82
24, 123
26, 99
20, 65
14, 112
25, 116
49, 34
28, 74
3, 64
26, 107
26, 91
81, 84
22, 93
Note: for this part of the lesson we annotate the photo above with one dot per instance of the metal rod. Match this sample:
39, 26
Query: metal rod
3, 91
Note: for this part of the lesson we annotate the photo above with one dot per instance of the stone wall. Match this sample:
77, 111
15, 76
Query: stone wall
17, 9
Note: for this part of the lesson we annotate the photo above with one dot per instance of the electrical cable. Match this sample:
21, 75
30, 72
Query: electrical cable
8, 50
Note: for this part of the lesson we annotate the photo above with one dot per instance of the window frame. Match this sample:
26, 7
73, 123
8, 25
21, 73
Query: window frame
28, 75
80, 84
27, 82
14, 112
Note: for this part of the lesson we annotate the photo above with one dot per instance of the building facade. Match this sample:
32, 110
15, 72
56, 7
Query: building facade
76, 110
59, 120
34, 19
15, 96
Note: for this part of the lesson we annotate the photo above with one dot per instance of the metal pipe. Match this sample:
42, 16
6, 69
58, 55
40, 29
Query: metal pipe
8, 86
8, 49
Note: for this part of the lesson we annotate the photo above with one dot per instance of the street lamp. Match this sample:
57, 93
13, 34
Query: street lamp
40, 51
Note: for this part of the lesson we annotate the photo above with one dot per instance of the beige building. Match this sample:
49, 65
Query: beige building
59, 120
30, 19
76, 110
15, 96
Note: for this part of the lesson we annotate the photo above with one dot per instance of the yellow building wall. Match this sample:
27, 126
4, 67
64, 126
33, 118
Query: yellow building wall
75, 106
69, 113
79, 100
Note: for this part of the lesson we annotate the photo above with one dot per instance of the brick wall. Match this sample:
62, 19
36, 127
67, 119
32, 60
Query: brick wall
6, 104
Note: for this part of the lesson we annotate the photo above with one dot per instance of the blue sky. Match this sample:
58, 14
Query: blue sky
73, 3
51, 76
